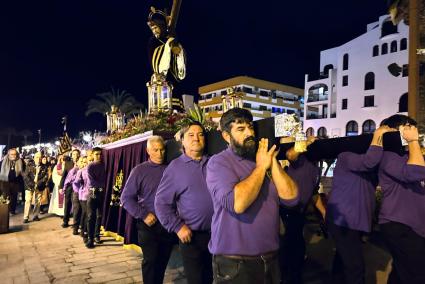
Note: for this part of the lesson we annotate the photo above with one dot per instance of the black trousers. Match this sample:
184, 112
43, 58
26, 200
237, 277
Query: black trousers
348, 264
292, 249
67, 204
12, 190
83, 219
94, 214
246, 271
157, 245
197, 261
76, 210
408, 251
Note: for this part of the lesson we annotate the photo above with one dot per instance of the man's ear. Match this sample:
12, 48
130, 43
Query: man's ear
226, 136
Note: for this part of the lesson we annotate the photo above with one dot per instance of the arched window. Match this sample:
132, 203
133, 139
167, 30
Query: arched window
384, 48
393, 47
402, 103
345, 62
369, 126
403, 44
375, 50
369, 81
317, 92
309, 132
327, 68
352, 128
321, 132
388, 28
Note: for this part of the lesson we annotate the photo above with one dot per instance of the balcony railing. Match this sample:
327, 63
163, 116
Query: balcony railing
317, 98
316, 116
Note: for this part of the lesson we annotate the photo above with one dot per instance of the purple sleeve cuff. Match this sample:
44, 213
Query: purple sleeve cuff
290, 202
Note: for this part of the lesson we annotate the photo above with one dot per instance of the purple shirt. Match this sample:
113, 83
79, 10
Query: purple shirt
183, 197
69, 180
81, 184
96, 175
352, 199
253, 232
403, 199
306, 174
138, 195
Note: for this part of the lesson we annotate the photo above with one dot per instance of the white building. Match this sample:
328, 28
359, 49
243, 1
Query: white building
263, 98
361, 82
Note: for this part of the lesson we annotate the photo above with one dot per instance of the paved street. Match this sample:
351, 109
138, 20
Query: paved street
44, 252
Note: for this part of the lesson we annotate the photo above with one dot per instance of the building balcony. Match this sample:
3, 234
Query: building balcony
316, 116
317, 98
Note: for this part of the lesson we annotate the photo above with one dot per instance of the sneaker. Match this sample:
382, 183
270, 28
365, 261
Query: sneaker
36, 218
26, 221
65, 225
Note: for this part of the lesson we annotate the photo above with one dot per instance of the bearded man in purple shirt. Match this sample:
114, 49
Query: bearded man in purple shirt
351, 206
138, 200
247, 187
183, 204
402, 214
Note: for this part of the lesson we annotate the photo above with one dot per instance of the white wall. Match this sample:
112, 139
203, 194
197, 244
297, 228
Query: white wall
388, 89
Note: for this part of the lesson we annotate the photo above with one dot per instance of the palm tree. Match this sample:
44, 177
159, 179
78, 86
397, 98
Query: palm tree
126, 103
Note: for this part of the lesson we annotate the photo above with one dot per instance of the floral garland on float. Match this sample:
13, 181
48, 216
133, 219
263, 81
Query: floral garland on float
164, 121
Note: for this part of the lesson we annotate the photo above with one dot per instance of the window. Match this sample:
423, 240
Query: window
384, 48
375, 50
326, 69
369, 81
369, 101
263, 107
388, 28
321, 132
369, 126
264, 93
405, 71
345, 62
246, 105
393, 46
309, 132
403, 44
247, 90
402, 103
345, 80
344, 103
290, 111
351, 128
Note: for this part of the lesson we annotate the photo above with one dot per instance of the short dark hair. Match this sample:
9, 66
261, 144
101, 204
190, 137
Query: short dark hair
234, 115
96, 149
185, 127
397, 120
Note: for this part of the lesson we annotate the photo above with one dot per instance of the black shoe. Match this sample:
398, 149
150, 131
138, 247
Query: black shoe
65, 225
26, 221
90, 244
97, 240
36, 218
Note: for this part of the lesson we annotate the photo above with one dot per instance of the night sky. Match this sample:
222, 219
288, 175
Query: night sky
56, 55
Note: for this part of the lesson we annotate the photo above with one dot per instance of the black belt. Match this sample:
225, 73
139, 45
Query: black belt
266, 256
